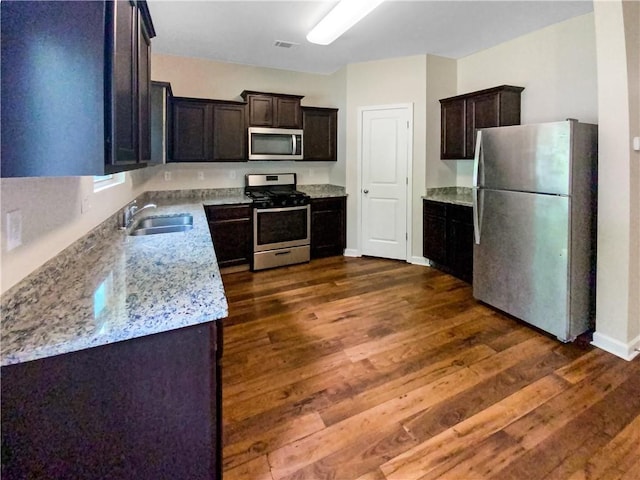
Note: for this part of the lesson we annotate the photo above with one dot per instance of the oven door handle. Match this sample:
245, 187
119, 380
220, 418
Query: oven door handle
281, 209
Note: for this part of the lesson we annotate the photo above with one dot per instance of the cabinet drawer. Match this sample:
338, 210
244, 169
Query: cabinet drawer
332, 203
227, 212
437, 209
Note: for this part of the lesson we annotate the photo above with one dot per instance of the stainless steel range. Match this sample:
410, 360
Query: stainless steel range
281, 220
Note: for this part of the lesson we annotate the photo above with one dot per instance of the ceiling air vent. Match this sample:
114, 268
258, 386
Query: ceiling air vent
285, 44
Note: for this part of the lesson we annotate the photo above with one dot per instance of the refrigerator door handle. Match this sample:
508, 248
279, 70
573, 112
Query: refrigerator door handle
476, 174
476, 159
476, 216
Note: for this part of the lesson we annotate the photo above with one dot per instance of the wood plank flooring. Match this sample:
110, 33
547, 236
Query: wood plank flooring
370, 369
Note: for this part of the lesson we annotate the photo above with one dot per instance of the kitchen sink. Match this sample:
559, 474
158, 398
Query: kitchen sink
163, 224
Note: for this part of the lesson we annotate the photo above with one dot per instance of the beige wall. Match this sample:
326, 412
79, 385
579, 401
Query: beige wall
386, 82
442, 76
556, 65
52, 218
631, 13
618, 309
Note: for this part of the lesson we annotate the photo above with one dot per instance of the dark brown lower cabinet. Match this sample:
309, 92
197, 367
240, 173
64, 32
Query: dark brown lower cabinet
142, 408
231, 229
448, 237
328, 226
435, 231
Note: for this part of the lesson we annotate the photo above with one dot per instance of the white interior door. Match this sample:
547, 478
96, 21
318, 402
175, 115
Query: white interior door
385, 149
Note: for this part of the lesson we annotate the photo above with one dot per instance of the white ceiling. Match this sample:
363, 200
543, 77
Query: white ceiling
245, 31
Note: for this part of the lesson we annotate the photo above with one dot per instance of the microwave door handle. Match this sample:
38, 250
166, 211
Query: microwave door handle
294, 144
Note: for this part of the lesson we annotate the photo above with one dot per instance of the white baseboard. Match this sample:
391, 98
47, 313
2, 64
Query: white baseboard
419, 261
352, 252
626, 351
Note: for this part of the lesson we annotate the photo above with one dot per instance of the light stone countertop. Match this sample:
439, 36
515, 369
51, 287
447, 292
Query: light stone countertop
323, 191
454, 195
109, 286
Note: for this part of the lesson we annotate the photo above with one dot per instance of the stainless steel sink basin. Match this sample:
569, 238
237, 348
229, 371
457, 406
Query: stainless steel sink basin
163, 224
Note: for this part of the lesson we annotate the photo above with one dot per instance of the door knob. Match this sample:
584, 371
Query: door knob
366, 191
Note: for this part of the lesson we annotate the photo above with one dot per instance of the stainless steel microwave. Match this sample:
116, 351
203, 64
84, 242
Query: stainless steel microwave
275, 144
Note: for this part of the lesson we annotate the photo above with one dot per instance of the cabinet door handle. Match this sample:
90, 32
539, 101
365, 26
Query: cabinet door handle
365, 191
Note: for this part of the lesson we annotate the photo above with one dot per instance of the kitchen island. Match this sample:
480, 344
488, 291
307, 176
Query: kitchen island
110, 355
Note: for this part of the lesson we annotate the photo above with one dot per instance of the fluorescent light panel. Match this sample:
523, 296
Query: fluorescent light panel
343, 16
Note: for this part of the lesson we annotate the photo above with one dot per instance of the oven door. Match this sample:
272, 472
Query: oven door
275, 228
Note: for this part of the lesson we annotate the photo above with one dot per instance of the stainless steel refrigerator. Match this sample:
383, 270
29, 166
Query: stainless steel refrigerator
534, 221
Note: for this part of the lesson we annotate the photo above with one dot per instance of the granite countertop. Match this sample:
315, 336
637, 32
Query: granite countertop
109, 286
231, 196
455, 195
323, 191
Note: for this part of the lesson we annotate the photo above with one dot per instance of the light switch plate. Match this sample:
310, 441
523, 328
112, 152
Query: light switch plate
636, 144
14, 229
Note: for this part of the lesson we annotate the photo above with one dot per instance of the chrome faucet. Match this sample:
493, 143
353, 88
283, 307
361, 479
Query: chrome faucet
131, 210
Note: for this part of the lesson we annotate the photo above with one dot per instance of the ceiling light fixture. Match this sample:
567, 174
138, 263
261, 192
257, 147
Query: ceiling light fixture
343, 16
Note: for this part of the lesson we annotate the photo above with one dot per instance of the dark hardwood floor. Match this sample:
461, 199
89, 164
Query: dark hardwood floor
361, 368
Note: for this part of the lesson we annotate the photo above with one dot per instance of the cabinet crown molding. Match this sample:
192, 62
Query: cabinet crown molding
501, 88
246, 93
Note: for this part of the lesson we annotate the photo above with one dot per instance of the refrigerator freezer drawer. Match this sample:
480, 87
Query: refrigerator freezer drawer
521, 264
527, 158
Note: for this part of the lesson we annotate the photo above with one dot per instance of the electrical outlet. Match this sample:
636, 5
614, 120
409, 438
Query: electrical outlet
14, 229
85, 205
167, 176
200, 175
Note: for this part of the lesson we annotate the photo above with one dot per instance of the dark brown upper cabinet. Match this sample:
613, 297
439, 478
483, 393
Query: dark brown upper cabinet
229, 132
208, 130
463, 115
161, 94
144, 90
84, 110
192, 130
320, 126
273, 109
